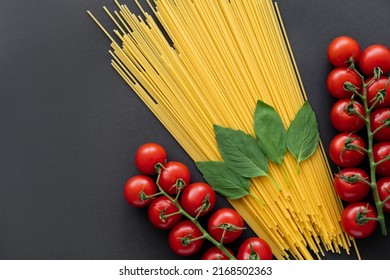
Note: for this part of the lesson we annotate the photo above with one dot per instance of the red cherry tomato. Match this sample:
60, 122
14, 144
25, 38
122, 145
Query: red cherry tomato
148, 155
348, 186
336, 79
254, 248
171, 172
343, 117
137, 189
198, 199
159, 213
345, 156
372, 91
380, 151
225, 218
341, 49
181, 238
379, 118
351, 223
374, 56
383, 185
214, 253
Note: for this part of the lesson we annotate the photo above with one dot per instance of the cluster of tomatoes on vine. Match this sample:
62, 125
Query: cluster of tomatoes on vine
361, 87
175, 204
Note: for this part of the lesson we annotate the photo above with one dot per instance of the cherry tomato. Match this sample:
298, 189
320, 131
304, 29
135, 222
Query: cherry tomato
380, 151
228, 219
198, 199
159, 213
351, 223
343, 117
372, 91
180, 238
214, 253
378, 118
374, 56
137, 189
148, 155
336, 79
348, 186
254, 248
383, 185
341, 49
171, 172
344, 149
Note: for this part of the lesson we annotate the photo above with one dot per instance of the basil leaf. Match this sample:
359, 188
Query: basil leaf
224, 180
302, 134
240, 152
270, 132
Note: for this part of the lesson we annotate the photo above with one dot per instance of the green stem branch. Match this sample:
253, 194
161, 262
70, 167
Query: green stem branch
370, 135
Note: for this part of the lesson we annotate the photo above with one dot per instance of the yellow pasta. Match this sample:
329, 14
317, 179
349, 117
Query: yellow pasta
198, 63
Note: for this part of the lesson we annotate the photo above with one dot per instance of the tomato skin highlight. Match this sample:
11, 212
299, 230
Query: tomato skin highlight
214, 253
336, 79
185, 229
341, 49
225, 216
351, 226
159, 205
346, 158
193, 197
170, 173
377, 118
259, 246
344, 121
374, 56
348, 191
383, 185
372, 91
137, 184
381, 151
147, 156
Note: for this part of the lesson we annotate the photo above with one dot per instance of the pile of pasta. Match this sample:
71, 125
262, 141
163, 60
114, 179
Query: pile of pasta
199, 63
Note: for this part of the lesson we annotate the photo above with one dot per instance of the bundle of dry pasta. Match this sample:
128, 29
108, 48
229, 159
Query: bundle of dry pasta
200, 63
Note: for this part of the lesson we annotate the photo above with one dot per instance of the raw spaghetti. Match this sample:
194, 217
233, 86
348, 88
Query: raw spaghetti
198, 63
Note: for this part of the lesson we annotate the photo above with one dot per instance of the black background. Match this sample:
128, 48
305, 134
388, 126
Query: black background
69, 126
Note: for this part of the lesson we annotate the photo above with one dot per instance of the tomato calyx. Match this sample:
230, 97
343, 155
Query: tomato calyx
352, 179
179, 185
377, 73
143, 196
348, 145
164, 217
348, 86
379, 97
187, 240
253, 255
361, 216
204, 207
227, 227
350, 109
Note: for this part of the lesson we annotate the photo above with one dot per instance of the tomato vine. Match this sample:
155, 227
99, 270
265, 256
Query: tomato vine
348, 149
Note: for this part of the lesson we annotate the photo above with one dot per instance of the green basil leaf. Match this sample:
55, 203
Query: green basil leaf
302, 134
224, 180
240, 152
270, 132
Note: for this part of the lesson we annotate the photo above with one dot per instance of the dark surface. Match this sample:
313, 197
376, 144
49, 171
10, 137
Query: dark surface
69, 126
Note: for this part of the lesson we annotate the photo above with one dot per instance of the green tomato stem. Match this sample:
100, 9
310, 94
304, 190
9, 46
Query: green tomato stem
370, 135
